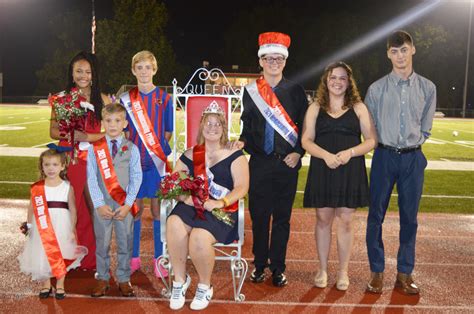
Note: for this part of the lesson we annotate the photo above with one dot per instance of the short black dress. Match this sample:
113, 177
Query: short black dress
223, 176
347, 185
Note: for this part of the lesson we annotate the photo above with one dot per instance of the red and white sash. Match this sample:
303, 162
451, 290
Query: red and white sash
46, 230
215, 190
272, 110
107, 171
138, 114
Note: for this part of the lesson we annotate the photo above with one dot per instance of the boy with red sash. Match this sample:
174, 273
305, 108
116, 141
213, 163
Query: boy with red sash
150, 118
114, 176
273, 115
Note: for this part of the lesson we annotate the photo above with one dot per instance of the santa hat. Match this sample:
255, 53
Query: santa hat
273, 42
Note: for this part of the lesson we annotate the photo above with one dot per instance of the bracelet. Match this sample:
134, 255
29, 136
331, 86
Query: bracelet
226, 201
352, 152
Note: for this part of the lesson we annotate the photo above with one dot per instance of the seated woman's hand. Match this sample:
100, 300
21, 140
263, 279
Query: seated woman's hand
186, 199
209, 205
235, 145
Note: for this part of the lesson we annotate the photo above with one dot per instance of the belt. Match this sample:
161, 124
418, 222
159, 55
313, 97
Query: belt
400, 150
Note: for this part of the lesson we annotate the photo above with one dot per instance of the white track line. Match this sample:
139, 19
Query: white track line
451, 129
387, 262
305, 212
427, 196
18, 114
363, 262
270, 303
44, 144
454, 143
22, 123
459, 237
301, 192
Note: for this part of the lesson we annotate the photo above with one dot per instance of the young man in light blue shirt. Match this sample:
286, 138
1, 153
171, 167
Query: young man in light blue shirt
402, 105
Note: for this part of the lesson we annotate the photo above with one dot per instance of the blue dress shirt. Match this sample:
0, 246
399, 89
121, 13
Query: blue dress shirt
135, 175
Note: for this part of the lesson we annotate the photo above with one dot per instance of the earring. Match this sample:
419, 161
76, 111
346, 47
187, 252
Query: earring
91, 83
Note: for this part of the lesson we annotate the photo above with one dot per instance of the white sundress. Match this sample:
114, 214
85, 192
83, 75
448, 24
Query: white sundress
33, 260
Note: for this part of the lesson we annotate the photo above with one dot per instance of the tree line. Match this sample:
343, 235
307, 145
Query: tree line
318, 29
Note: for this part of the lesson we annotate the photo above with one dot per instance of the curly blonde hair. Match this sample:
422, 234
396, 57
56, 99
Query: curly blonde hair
351, 96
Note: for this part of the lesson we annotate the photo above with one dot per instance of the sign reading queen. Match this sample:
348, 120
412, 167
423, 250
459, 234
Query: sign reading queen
208, 82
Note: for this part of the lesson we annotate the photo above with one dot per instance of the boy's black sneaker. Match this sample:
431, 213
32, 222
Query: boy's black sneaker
257, 275
279, 279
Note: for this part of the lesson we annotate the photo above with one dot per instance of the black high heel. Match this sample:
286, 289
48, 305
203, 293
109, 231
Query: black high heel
44, 294
60, 296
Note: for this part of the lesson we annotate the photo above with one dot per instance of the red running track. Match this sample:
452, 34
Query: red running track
444, 272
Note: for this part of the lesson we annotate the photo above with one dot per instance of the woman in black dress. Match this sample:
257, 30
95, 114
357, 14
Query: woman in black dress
337, 178
228, 176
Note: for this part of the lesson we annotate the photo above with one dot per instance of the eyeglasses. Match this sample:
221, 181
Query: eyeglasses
270, 60
211, 125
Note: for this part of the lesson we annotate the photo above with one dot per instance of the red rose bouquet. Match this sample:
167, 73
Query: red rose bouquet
70, 109
180, 183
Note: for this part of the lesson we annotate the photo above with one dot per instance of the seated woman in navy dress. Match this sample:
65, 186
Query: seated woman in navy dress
227, 174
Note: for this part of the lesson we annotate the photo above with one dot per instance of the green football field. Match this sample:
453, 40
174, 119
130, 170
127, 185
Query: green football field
28, 126
445, 191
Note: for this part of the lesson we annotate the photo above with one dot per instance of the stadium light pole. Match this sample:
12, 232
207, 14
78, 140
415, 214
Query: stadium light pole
468, 51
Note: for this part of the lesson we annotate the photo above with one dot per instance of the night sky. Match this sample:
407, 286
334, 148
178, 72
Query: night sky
24, 32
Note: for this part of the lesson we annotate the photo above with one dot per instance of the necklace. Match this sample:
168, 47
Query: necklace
336, 113
86, 95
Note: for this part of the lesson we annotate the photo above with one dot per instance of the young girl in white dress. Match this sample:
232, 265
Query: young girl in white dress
62, 214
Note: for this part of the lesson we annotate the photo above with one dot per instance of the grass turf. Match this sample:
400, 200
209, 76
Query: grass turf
34, 124
437, 182
27, 126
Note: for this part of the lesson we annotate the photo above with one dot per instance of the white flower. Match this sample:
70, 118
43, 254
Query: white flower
87, 106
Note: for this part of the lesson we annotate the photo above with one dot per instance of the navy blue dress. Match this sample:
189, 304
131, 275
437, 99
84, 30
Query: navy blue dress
223, 176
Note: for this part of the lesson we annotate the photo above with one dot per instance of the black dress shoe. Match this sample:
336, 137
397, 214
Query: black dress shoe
44, 293
257, 275
279, 279
60, 295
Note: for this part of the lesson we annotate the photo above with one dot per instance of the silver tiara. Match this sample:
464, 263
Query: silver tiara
213, 108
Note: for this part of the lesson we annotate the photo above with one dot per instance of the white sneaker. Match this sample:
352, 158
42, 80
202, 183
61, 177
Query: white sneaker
178, 294
203, 296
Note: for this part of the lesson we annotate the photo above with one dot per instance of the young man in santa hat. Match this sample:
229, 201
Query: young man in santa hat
273, 115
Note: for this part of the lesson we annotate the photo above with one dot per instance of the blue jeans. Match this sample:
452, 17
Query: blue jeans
407, 170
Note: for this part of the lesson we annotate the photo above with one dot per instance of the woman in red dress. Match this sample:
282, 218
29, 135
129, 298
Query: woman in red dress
83, 75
